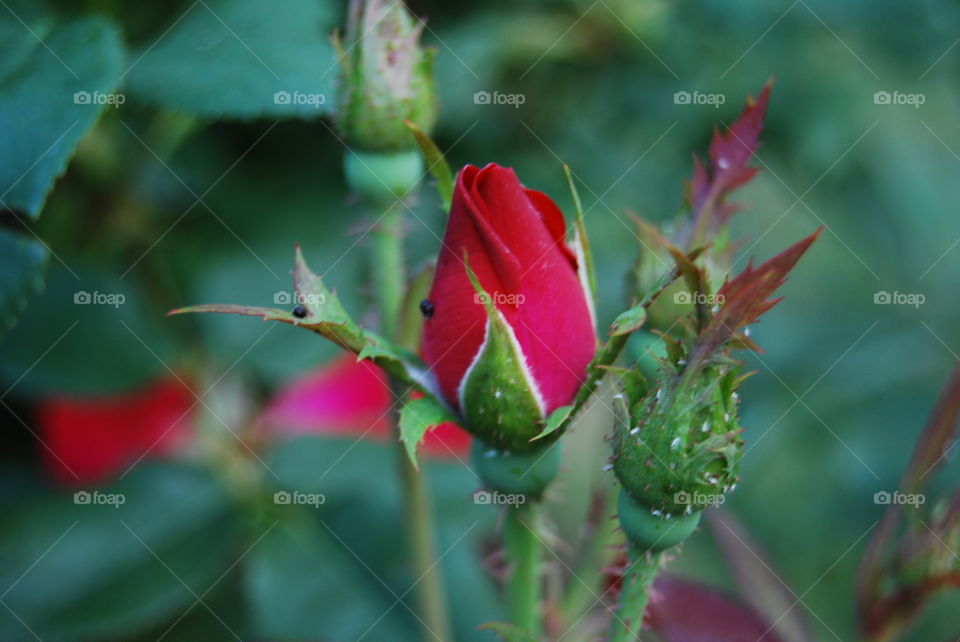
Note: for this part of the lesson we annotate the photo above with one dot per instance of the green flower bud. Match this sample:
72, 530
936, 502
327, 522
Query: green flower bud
385, 78
677, 450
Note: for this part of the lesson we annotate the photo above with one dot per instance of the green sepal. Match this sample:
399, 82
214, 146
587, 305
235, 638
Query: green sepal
416, 418
554, 420
436, 165
520, 473
498, 399
581, 247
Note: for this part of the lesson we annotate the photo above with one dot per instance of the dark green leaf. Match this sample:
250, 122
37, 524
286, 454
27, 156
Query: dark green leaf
241, 59
22, 265
55, 83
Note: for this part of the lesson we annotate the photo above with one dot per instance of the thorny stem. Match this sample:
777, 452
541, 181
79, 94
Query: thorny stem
642, 568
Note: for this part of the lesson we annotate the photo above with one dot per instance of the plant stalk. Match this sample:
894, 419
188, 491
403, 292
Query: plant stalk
388, 273
523, 551
627, 622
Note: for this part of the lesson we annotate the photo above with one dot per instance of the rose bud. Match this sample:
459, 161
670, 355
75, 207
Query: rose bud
510, 331
386, 78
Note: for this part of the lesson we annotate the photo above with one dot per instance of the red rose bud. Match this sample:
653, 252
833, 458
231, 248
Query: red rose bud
514, 345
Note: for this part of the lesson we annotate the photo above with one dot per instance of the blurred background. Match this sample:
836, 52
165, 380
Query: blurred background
193, 185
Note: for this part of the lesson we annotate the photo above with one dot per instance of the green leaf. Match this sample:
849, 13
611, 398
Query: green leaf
319, 310
629, 321
22, 265
508, 632
417, 417
87, 333
436, 165
230, 58
52, 80
301, 580
98, 571
554, 421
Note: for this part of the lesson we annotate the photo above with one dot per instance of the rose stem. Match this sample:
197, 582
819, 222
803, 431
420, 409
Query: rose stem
388, 272
642, 568
523, 553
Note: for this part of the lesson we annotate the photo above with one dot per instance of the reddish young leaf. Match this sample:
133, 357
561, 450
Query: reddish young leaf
729, 153
684, 611
886, 604
746, 298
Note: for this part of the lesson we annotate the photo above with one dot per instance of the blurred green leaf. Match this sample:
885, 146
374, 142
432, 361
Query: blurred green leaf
91, 570
22, 264
55, 82
87, 334
303, 583
241, 59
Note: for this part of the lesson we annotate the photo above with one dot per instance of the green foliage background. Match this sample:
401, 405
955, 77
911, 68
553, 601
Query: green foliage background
198, 186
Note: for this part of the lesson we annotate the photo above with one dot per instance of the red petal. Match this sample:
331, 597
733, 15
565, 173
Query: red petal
89, 440
347, 397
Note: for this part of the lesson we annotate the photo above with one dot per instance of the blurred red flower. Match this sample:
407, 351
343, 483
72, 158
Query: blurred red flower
347, 397
91, 439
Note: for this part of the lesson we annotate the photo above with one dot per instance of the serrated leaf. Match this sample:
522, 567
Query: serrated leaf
230, 58
319, 310
436, 164
22, 266
416, 418
51, 82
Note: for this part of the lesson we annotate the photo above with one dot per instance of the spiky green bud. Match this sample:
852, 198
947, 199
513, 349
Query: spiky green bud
385, 78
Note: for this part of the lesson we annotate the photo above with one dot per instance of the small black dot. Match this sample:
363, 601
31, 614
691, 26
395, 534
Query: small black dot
300, 312
426, 308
